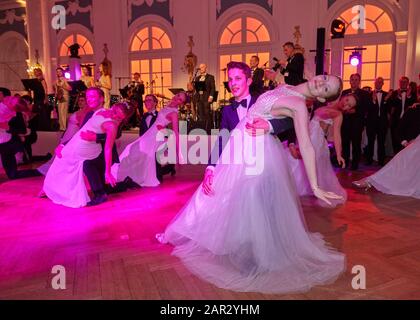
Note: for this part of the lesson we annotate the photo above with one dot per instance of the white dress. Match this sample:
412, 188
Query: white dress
72, 129
64, 183
400, 176
251, 234
327, 178
138, 160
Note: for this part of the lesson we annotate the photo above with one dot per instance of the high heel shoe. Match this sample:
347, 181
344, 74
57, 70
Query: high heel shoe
362, 184
160, 237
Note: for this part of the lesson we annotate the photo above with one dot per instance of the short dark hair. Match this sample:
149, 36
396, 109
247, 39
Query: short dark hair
27, 98
289, 44
357, 75
256, 57
240, 65
155, 99
136, 73
6, 92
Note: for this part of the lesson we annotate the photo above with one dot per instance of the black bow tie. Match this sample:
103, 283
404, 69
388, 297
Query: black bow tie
242, 103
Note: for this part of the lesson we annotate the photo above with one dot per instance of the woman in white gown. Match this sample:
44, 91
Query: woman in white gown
324, 119
250, 235
400, 176
138, 160
64, 183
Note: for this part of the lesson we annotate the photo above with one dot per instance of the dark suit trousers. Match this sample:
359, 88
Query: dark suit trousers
95, 173
203, 110
396, 139
8, 151
351, 134
376, 129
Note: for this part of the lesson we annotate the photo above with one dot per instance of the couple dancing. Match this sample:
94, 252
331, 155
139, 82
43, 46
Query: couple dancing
247, 232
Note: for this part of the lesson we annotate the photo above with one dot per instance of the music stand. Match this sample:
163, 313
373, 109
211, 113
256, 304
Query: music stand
175, 91
32, 85
226, 86
77, 86
124, 92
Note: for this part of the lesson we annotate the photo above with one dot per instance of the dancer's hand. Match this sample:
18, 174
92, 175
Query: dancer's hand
341, 161
110, 179
208, 182
88, 135
58, 151
258, 127
325, 195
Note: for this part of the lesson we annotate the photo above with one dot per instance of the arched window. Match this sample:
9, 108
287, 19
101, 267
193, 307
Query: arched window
85, 45
240, 40
150, 55
376, 37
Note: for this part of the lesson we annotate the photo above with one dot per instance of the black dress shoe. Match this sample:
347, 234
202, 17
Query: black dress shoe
173, 172
97, 200
130, 184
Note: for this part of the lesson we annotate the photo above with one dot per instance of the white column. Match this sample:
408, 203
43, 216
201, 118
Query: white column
400, 56
413, 41
336, 63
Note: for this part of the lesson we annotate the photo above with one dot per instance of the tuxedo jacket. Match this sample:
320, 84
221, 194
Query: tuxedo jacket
143, 124
230, 120
362, 106
395, 105
409, 126
293, 73
210, 86
17, 126
378, 113
257, 86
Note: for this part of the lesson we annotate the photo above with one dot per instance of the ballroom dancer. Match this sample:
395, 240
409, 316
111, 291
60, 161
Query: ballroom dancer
400, 176
250, 235
138, 160
64, 183
324, 119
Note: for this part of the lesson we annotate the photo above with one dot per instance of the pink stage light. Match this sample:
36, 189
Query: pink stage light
355, 59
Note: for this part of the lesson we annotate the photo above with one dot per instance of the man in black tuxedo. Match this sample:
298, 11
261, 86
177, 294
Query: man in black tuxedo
239, 78
409, 127
204, 96
377, 123
257, 86
292, 68
399, 101
135, 89
147, 121
354, 121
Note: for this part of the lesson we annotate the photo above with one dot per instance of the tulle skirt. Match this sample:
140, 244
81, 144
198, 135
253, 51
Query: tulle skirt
400, 176
251, 235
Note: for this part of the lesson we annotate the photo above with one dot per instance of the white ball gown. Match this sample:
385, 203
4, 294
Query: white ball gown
400, 176
72, 128
251, 234
327, 178
138, 160
64, 183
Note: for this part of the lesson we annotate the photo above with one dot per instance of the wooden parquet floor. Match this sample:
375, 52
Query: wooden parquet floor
109, 251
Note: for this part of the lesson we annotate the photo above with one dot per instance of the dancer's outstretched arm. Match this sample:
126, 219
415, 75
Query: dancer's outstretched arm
111, 129
337, 122
175, 128
294, 107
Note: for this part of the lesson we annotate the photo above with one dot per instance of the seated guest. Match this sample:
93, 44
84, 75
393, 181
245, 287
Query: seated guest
10, 142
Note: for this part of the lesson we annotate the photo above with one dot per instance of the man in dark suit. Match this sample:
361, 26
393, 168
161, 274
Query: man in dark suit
409, 127
10, 141
204, 96
377, 122
292, 68
135, 91
147, 121
354, 121
257, 86
399, 101
239, 78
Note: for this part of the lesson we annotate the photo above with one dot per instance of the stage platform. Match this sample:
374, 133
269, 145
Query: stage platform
110, 251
